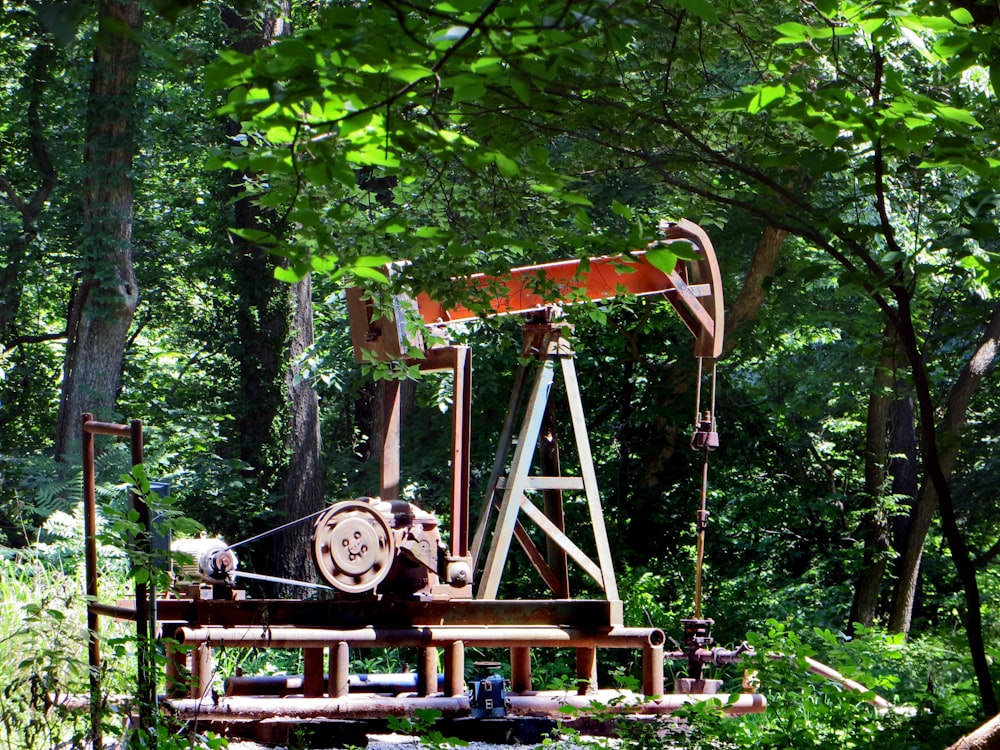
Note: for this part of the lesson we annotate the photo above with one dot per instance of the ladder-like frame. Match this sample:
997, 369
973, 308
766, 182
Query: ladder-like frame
508, 489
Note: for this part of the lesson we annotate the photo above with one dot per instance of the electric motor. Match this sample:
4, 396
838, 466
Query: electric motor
212, 560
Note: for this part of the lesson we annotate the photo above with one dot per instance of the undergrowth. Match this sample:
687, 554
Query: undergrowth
43, 645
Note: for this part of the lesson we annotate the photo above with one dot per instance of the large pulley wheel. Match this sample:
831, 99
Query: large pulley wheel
352, 546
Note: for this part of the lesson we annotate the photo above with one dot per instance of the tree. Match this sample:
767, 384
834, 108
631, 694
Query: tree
275, 329
106, 294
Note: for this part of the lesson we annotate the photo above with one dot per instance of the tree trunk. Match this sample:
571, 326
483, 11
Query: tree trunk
277, 423
106, 299
952, 424
752, 294
874, 526
303, 483
263, 304
29, 208
986, 737
938, 464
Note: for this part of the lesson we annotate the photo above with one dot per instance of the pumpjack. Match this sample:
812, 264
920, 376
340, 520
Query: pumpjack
390, 577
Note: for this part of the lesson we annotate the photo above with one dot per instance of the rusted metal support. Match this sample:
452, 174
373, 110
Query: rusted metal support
591, 614
694, 288
291, 685
548, 343
454, 668
552, 502
542, 704
427, 673
520, 669
586, 670
461, 449
202, 667
90, 559
340, 669
366, 706
312, 670
424, 637
391, 416
652, 670
143, 614
110, 610
458, 360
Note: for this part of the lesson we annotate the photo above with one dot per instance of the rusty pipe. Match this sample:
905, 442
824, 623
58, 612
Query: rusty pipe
286, 685
544, 704
541, 636
349, 707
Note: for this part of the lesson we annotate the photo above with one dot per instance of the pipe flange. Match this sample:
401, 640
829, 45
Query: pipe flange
352, 546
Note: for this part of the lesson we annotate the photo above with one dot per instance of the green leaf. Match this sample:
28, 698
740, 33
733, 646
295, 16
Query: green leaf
704, 10
522, 89
957, 115
374, 274
290, 275
663, 258
792, 32
507, 166
372, 261
620, 209
394, 225
256, 236
685, 250
962, 16
574, 199
279, 134
826, 133
465, 87
410, 73
765, 96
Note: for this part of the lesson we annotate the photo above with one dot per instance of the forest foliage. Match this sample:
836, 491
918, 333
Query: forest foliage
842, 156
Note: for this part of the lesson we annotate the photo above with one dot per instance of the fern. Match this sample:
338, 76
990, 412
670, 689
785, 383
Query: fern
37, 486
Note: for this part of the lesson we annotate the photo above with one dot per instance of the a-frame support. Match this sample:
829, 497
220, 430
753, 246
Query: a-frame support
510, 491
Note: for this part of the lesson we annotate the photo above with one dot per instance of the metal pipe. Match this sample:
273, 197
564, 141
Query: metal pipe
90, 562
427, 672
350, 707
520, 669
652, 670
111, 610
313, 681
288, 685
484, 636
340, 669
543, 704
454, 668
